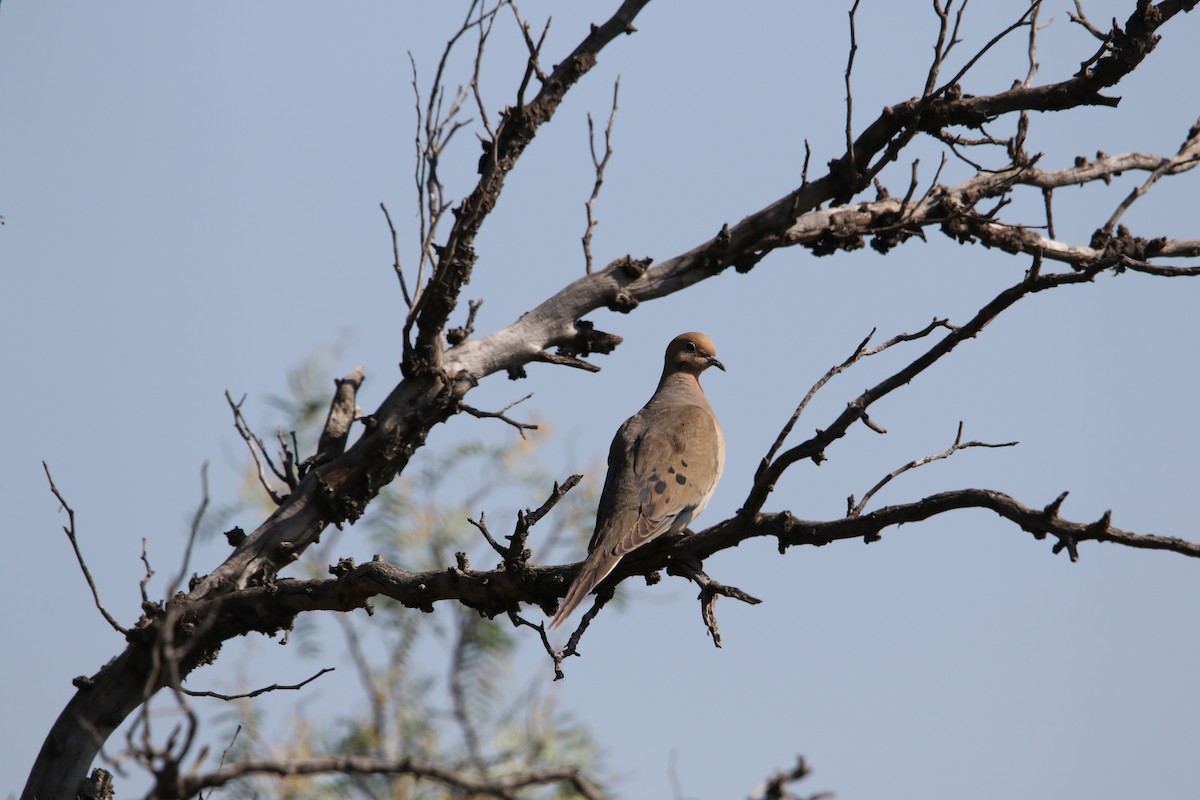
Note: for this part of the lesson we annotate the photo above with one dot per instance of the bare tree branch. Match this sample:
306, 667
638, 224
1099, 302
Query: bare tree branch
814, 447
275, 687
408, 300
859, 353
343, 411
709, 591
69, 530
776, 786
256, 446
599, 164
1185, 159
193, 533
516, 130
500, 415
500, 787
854, 510
850, 161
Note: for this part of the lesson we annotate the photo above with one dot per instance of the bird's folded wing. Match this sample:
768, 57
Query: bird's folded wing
670, 467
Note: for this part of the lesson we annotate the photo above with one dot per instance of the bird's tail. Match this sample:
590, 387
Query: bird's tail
595, 569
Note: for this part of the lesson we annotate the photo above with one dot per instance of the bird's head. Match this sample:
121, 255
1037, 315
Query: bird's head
691, 353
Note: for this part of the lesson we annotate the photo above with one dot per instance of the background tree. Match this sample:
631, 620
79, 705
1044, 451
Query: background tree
441, 689
967, 198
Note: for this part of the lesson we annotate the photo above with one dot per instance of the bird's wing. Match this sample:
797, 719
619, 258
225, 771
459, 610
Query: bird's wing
668, 471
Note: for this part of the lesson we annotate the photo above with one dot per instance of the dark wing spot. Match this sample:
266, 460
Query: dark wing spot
660, 487
681, 479
670, 470
681, 461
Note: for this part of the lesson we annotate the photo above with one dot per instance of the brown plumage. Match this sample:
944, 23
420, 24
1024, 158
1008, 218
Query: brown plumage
663, 467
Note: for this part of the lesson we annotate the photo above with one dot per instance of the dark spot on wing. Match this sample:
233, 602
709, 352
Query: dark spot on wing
681, 479
660, 487
681, 461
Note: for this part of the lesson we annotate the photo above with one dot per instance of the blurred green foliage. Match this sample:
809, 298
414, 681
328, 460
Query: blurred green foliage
439, 687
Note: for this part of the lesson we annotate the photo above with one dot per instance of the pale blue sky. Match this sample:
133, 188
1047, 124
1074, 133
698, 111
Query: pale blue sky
191, 201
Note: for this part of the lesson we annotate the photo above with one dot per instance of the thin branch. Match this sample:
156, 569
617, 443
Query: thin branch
1017, 149
288, 458
912, 189
408, 300
224, 755
953, 145
555, 656
456, 336
500, 415
69, 530
673, 774
275, 687
256, 447
1048, 202
814, 448
516, 556
145, 581
481, 526
532, 67
1185, 159
853, 510
958, 76
940, 48
485, 28
850, 162
710, 590
1147, 268
599, 164
193, 534
603, 594
437, 125
859, 353
420, 171
1079, 18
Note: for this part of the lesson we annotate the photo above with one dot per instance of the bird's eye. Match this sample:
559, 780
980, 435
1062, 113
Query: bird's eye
690, 347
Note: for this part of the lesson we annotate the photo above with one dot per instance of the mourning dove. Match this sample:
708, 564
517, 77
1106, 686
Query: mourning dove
663, 466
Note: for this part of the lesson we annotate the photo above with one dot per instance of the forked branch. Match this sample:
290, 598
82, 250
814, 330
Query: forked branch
855, 509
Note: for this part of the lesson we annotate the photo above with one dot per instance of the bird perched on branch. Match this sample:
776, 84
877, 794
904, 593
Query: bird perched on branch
663, 466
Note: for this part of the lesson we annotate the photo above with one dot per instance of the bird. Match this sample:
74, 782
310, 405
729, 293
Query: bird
663, 467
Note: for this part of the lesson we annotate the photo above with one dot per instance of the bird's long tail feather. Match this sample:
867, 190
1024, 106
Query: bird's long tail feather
595, 569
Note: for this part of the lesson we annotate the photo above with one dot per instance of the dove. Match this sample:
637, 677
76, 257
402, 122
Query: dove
663, 467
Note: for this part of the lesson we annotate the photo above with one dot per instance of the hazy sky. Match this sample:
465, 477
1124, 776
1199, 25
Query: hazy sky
191, 193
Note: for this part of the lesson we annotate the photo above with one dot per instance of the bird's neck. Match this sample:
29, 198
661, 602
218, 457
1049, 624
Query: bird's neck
679, 381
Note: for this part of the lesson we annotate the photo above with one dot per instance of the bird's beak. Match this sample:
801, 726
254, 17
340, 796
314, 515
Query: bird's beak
713, 362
